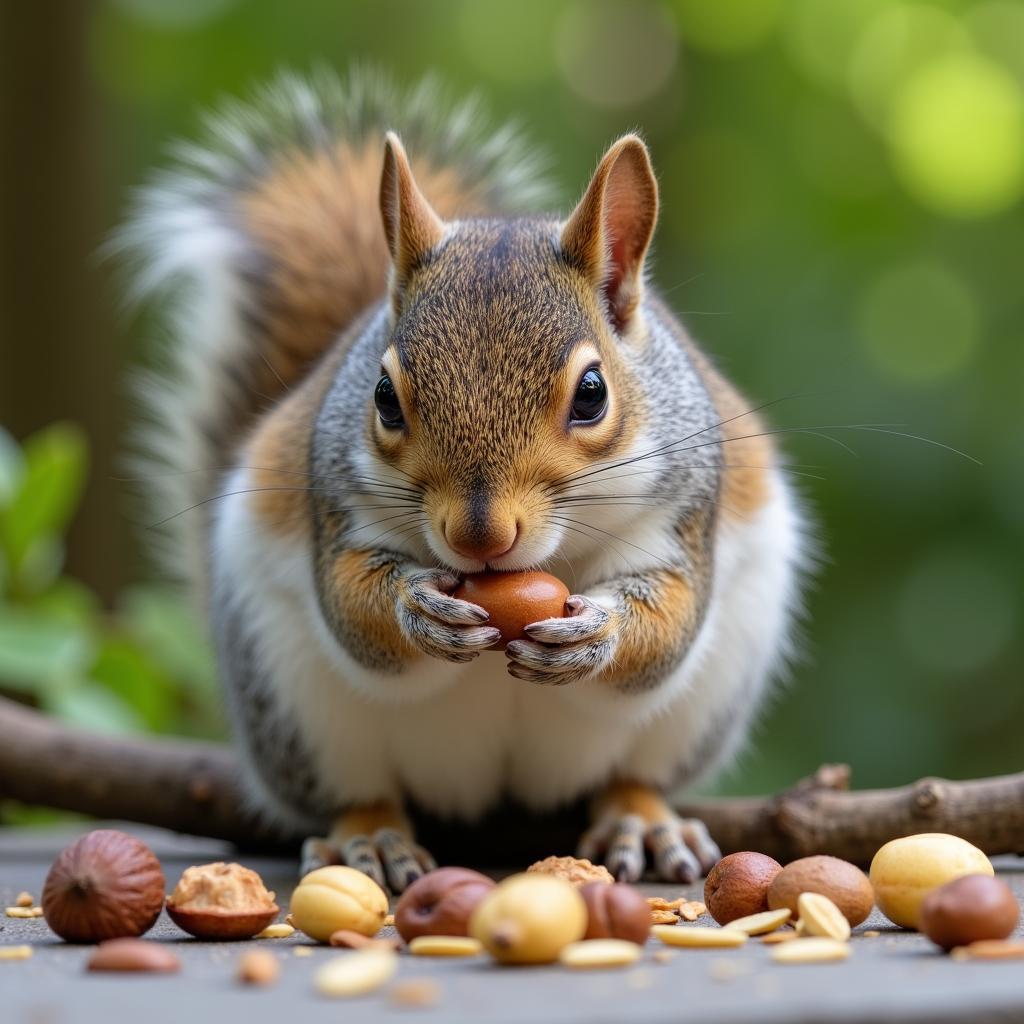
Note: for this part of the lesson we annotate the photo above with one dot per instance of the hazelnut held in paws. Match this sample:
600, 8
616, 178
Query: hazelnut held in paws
398, 383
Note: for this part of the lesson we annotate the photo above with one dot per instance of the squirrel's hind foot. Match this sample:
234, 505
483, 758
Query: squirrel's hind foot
375, 840
630, 819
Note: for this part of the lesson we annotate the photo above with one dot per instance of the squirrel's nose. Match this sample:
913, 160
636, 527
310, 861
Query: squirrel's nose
482, 546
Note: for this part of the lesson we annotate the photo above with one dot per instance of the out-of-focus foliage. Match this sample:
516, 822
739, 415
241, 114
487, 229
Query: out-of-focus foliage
141, 666
842, 221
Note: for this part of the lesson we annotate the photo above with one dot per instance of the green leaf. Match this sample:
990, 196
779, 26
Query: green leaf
92, 706
49, 490
36, 651
132, 676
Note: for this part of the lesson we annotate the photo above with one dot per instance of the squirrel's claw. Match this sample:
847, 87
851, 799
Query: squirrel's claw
390, 858
567, 649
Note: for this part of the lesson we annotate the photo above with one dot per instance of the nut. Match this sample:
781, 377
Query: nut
575, 870
737, 885
969, 909
811, 951
783, 935
344, 938
842, 882
761, 924
445, 945
133, 955
529, 919
990, 949
355, 974
663, 917
821, 917
616, 911
415, 992
440, 902
691, 910
26, 913
332, 898
514, 600
24, 899
106, 885
221, 901
276, 931
699, 938
15, 952
905, 870
600, 953
258, 967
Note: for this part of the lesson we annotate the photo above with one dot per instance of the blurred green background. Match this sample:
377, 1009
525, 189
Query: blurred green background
842, 220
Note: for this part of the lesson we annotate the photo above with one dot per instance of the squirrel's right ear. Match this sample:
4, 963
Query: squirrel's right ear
411, 226
607, 235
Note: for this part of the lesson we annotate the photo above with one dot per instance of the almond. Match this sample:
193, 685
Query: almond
821, 917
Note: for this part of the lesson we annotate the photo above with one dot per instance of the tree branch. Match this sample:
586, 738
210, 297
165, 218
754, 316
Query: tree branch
194, 787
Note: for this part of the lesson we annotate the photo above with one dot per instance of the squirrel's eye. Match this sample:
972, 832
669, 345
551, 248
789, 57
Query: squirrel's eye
386, 399
591, 398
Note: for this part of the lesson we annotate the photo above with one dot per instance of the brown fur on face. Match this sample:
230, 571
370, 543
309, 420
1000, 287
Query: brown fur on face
496, 330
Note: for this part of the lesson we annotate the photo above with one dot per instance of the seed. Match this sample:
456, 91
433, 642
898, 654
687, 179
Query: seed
663, 917
302, 950
24, 899
389, 919
343, 938
692, 910
415, 992
774, 938
445, 945
599, 953
15, 952
821, 917
811, 951
276, 931
354, 974
990, 949
706, 938
132, 955
759, 924
871, 933
25, 912
258, 967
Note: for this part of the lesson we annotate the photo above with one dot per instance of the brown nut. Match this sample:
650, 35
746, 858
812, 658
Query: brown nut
842, 882
574, 870
514, 600
737, 886
616, 911
969, 909
106, 885
132, 955
440, 902
221, 902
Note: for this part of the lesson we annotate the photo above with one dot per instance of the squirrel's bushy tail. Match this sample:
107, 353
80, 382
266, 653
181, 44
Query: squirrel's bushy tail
265, 238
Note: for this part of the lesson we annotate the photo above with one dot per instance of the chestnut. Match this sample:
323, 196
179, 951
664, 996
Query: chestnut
616, 911
440, 902
842, 882
514, 600
105, 885
737, 886
969, 909
222, 902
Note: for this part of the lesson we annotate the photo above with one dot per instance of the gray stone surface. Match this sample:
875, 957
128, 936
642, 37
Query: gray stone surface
894, 976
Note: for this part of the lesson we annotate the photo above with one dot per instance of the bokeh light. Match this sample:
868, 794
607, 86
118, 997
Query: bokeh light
616, 54
510, 42
175, 14
957, 610
998, 29
919, 321
822, 34
957, 136
895, 43
726, 27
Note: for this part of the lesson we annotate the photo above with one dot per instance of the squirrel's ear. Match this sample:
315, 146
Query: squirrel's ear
608, 233
411, 226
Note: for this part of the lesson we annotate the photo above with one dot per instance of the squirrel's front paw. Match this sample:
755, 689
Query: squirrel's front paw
437, 623
566, 650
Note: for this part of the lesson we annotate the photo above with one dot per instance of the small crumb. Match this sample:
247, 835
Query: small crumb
289, 919
726, 970
660, 903
276, 931
639, 979
258, 967
782, 935
663, 956
413, 993
691, 910
302, 951
15, 952
871, 933
663, 917
389, 920
24, 899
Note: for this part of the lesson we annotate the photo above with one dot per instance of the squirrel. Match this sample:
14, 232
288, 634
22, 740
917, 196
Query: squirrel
378, 383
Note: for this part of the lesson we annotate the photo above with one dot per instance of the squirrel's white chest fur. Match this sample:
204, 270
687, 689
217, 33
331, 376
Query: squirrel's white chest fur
459, 737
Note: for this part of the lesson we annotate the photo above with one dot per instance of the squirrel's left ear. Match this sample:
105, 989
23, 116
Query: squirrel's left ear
608, 233
411, 226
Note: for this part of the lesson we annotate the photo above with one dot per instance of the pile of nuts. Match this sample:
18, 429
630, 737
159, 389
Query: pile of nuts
108, 888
